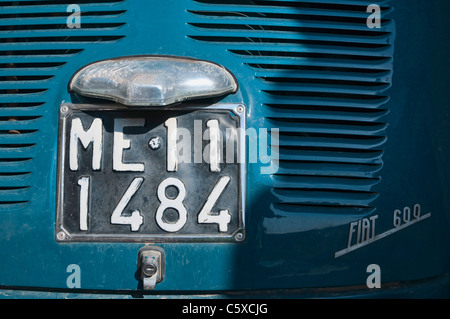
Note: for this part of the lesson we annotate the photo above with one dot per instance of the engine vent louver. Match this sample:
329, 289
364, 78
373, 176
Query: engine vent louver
35, 44
322, 76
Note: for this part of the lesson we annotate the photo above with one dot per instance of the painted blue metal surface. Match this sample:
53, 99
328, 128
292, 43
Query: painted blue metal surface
363, 118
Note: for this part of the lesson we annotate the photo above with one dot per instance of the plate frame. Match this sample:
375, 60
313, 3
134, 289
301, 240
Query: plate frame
63, 235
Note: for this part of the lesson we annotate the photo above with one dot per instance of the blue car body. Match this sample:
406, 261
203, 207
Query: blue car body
363, 176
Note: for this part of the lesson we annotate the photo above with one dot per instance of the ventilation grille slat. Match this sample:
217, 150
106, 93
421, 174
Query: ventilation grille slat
322, 77
310, 73
284, 25
297, 36
35, 44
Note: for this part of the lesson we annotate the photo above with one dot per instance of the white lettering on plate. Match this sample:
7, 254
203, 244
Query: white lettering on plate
120, 143
93, 135
175, 203
84, 204
172, 135
222, 218
214, 145
135, 220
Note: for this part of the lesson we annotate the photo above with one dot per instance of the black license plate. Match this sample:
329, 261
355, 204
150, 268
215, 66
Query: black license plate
151, 175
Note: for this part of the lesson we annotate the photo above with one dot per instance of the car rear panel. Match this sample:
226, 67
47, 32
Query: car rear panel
363, 126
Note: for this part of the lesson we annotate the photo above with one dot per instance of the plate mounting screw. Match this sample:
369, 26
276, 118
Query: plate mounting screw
61, 235
155, 143
64, 109
239, 237
240, 109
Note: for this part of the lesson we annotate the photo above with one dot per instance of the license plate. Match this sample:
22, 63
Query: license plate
151, 175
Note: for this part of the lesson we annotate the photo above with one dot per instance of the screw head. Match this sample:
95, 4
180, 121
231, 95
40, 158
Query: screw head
155, 143
239, 237
61, 235
64, 109
240, 109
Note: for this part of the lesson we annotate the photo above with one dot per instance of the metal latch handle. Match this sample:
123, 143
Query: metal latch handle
151, 266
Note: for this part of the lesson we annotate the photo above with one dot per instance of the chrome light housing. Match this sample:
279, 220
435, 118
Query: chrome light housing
153, 80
